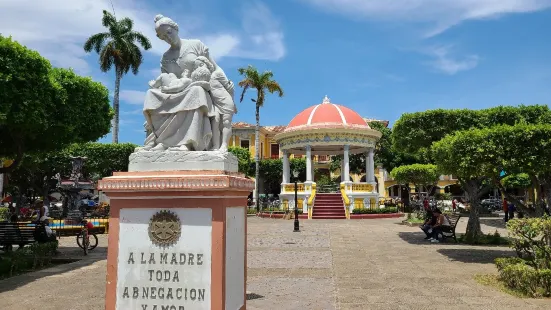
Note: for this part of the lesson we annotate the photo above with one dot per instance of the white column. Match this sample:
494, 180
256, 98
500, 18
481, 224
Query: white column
342, 170
286, 167
313, 171
370, 167
346, 161
308, 163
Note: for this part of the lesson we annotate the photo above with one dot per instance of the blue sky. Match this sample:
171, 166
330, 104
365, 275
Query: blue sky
381, 58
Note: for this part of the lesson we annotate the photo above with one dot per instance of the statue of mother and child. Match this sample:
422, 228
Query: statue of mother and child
189, 107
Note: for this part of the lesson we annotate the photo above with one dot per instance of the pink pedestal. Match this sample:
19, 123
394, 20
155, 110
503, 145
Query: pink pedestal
198, 263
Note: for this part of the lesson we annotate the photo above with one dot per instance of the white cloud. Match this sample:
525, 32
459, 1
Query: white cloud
264, 39
445, 62
221, 45
439, 14
59, 28
132, 96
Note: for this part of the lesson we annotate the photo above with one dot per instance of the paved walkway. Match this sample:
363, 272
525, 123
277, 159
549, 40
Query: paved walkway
332, 264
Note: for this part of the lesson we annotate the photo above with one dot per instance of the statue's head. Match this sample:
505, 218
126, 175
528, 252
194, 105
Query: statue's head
203, 61
166, 29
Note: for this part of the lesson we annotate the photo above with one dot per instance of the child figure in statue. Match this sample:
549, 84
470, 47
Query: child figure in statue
222, 94
170, 83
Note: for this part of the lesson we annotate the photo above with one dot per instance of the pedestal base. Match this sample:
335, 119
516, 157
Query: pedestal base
177, 240
182, 161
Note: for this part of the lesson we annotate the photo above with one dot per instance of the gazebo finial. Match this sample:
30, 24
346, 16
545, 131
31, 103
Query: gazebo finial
326, 99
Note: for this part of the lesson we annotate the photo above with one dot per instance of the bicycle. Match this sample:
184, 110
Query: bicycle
83, 238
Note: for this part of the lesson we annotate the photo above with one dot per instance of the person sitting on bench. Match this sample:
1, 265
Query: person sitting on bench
47, 234
430, 221
441, 221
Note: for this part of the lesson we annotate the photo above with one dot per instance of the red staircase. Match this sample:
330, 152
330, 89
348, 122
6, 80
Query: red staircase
328, 206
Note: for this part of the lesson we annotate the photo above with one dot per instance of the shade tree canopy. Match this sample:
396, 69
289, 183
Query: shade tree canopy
44, 109
414, 133
426, 175
520, 149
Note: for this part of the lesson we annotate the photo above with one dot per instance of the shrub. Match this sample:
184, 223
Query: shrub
530, 272
4, 213
42, 253
527, 279
503, 262
531, 238
375, 211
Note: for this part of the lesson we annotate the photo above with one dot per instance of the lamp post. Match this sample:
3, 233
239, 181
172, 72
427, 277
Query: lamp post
297, 224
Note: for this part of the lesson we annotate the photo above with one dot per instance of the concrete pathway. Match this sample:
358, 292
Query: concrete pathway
331, 264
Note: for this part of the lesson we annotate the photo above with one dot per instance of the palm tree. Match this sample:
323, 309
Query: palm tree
262, 83
118, 47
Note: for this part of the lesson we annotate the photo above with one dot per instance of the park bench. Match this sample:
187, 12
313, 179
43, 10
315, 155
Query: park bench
449, 231
19, 234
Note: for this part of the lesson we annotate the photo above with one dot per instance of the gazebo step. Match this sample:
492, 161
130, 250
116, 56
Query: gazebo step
329, 217
328, 203
325, 208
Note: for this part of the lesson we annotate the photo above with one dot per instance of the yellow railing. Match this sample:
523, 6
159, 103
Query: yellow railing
344, 196
291, 187
358, 203
312, 195
362, 187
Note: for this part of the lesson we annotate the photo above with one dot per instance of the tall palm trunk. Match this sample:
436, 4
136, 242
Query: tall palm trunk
257, 155
118, 76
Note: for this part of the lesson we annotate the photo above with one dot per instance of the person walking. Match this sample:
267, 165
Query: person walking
505, 210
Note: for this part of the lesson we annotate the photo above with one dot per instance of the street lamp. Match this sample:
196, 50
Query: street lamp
297, 224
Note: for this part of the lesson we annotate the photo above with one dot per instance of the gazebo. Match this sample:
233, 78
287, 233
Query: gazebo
328, 129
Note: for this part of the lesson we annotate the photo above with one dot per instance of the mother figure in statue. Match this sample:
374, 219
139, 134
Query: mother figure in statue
182, 115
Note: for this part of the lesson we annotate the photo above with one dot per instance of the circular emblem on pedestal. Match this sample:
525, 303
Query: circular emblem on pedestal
164, 228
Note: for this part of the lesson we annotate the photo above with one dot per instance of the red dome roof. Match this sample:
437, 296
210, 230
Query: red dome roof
327, 115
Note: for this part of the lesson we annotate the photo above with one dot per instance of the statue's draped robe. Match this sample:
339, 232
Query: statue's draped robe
181, 118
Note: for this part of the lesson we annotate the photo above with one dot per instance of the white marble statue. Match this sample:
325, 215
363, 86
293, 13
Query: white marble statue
190, 106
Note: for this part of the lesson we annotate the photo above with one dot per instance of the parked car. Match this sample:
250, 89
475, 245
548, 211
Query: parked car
491, 204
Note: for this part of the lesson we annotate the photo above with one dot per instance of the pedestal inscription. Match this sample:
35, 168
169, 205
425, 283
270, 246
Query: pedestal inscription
164, 259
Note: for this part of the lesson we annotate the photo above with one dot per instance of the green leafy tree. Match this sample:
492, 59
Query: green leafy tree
414, 134
460, 155
420, 175
261, 82
515, 149
118, 47
244, 159
520, 180
45, 109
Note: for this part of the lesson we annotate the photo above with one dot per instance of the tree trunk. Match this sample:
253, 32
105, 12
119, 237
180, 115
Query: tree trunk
118, 77
257, 155
474, 232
